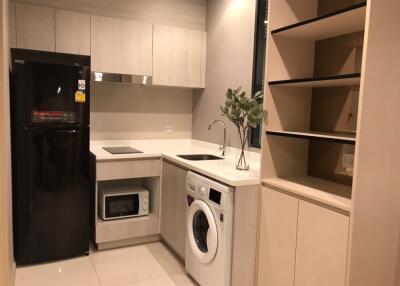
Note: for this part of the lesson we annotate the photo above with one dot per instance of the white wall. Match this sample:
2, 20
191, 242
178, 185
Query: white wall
230, 43
127, 112
6, 247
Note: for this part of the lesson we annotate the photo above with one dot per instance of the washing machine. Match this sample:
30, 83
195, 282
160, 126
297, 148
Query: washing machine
209, 230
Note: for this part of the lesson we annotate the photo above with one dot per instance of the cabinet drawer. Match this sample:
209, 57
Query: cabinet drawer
127, 228
114, 170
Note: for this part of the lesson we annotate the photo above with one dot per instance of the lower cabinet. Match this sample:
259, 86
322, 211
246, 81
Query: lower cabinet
321, 246
300, 243
277, 244
173, 207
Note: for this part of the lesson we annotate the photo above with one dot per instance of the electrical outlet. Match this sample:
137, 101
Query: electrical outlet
168, 129
348, 161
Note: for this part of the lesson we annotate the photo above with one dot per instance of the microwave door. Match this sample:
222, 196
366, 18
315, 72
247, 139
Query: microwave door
120, 206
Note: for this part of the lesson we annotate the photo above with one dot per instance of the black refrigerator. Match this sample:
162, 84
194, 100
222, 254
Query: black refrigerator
50, 155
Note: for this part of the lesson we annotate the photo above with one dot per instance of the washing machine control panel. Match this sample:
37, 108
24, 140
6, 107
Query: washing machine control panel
201, 188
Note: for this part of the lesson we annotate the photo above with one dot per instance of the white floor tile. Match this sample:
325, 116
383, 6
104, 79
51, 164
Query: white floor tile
76, 272
166, 259
144, 265
134, 264
166, 280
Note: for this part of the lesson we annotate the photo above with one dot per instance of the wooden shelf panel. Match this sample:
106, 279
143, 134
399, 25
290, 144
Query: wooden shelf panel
326, 192
323, 81
343, 138
345, 21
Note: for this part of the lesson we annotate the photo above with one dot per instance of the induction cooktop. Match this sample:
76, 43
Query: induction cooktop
121, 150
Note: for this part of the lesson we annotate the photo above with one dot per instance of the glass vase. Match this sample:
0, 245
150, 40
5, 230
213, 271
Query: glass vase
241, 159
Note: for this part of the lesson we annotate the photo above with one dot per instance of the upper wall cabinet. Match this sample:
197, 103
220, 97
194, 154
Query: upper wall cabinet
121, 46
179, 57
35, 28
72, 32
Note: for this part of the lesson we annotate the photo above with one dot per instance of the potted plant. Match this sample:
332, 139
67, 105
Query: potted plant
244, 112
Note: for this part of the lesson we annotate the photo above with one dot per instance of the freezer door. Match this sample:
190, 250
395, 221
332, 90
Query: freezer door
51, 194
49, 93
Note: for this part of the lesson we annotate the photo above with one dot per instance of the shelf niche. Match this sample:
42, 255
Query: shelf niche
333, 62
115, 230
299, 157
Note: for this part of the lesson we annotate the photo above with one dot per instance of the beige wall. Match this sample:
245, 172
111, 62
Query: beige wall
131, 112
182, 13
230, 41
6, 252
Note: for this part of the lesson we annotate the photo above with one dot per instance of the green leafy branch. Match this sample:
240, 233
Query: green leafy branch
243, 111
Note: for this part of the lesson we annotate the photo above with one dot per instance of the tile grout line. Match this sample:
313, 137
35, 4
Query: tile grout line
94, 268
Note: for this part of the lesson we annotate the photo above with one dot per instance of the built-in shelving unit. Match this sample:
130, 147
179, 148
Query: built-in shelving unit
322, 191
312, 210
343, 21
338, 137
314, 73
320, 81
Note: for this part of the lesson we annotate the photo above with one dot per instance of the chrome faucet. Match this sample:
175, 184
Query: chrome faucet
221, 147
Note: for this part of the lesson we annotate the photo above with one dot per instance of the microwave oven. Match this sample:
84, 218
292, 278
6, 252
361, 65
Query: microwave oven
117, 203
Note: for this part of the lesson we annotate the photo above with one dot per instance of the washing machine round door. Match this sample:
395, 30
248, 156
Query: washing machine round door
202, 232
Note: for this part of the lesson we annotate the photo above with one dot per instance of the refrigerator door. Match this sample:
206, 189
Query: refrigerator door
52, 92
51, 194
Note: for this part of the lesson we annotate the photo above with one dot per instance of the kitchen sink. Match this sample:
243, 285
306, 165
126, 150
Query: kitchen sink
200, 157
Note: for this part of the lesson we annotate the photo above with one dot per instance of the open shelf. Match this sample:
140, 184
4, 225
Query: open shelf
344, 21
115, 230
322, 81
315, 189
344, 138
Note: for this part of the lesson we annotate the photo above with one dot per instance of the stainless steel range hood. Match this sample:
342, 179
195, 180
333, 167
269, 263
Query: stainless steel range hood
121, 78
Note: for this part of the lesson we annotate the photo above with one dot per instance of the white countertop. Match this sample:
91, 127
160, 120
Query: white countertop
221, 170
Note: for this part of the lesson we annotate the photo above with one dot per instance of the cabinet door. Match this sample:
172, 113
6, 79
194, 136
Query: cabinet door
173, 207
277, 241
35, 28
121, 46
178, 57
321, 246
72, 32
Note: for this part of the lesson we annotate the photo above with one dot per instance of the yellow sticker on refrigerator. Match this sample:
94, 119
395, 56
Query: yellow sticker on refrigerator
80, 96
